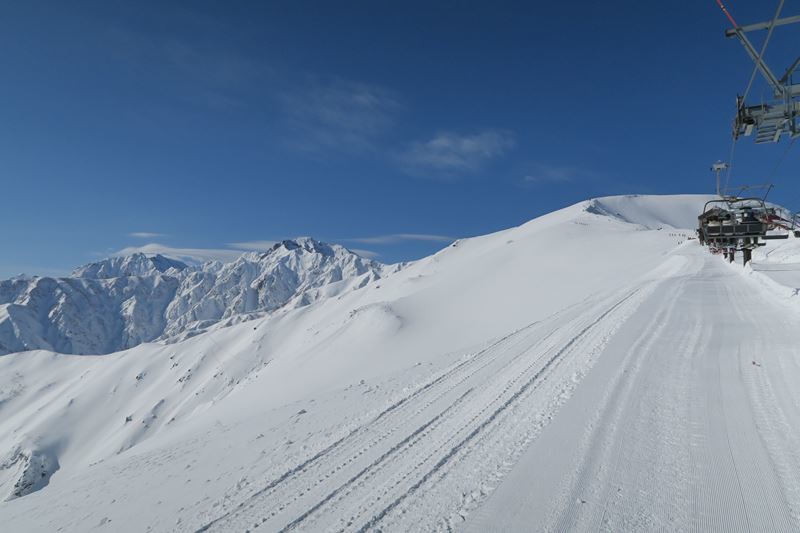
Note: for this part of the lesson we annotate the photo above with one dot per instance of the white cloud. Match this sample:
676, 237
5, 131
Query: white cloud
369, 254
145, 235
401, 237
191, 255
342, 115
449, 153
542, 174
259, 246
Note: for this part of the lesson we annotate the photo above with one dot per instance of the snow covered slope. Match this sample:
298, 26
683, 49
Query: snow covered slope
653, 212
405, 404
121, 302
776, 267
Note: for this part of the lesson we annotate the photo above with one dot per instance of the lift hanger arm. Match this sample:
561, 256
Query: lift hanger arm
762, 25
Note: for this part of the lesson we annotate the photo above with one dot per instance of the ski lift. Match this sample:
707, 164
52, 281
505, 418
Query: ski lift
734, 223
728, 225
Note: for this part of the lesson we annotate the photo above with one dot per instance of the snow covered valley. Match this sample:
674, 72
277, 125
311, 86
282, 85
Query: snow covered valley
593, 369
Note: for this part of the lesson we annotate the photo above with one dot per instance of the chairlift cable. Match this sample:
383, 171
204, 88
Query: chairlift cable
730, 164
781, 159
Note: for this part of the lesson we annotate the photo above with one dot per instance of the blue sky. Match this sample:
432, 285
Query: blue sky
211, 127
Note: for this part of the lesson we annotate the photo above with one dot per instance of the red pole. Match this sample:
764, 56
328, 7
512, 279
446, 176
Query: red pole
727, 14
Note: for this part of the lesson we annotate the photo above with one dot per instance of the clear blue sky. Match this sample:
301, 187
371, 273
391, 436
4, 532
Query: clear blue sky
385, 127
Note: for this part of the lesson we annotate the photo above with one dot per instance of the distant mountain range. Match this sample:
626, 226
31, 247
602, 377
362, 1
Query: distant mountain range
121, 302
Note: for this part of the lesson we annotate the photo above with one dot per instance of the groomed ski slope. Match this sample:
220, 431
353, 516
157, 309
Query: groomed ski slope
689, 420
589, 370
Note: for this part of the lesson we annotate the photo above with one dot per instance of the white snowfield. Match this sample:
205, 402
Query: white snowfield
592, 369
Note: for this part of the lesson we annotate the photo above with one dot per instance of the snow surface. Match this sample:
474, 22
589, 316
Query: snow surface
776, 267
591, 369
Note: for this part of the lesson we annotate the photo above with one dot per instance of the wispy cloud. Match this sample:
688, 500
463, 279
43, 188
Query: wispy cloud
211, 66
145, 235
395, 238
448, 154
191, 255
259, 246
544, 174
369, 254
213, 77
342, 114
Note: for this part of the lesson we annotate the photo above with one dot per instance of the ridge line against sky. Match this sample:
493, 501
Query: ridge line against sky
235, 249
201, 124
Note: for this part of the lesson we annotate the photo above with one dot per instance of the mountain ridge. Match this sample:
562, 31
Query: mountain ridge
120, 302
137, 264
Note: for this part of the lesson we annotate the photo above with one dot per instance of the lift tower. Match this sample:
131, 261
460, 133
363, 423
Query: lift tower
769, 121
718, 167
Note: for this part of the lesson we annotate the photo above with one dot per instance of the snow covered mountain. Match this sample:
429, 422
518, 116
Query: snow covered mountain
130, 265
121, 302
597, 350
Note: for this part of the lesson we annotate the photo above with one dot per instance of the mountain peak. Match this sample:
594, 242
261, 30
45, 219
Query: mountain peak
650, 211
119, 302
136, 264
309, 245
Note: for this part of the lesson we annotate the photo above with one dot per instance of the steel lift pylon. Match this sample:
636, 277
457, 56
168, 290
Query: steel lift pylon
769, 121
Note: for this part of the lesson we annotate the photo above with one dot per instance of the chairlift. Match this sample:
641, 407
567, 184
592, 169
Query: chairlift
728, 225
732, 222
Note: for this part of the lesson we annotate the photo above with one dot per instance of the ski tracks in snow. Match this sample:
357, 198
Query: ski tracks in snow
593, 486
687, 423
432, 455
